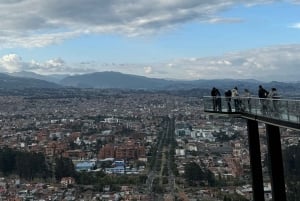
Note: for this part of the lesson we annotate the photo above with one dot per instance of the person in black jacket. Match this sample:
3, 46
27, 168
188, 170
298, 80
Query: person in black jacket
228, 99
216, 98
213, 95
263, 94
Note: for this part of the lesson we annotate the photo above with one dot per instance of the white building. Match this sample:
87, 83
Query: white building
203, 135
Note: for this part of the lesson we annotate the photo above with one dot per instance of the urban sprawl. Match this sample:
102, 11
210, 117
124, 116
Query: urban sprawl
124, 145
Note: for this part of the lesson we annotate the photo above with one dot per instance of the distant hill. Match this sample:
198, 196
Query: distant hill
50, 78
12, 82
127, 81
115, 80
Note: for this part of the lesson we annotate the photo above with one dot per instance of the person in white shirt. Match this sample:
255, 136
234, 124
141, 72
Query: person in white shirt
274, 103
235, 97
247, 100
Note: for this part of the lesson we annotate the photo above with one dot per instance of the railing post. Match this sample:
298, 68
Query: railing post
287, 110
255, 161
276, 163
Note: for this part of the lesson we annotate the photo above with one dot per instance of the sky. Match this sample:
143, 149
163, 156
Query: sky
170, 39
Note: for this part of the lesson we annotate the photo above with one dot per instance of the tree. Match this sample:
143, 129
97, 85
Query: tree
31, 165
7, 161
226, 198
193, 173
64, 168
27, 165
211, 178
86, 178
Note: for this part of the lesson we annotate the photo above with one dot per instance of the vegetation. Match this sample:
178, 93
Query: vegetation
27, 165
64, 168
30, 165
234, 197
195, 175
99, 180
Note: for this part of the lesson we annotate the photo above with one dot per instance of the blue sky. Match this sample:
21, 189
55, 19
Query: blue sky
173, 39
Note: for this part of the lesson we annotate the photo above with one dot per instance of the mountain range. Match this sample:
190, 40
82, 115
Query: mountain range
117, 80
12, 82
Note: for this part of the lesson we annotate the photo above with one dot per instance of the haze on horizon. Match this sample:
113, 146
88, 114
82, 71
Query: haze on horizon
170, 39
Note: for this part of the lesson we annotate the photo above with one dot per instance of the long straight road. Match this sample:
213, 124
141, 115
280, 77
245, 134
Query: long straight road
161, 179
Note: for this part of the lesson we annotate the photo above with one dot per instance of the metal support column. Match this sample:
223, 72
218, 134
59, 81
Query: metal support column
276, 163
255, 161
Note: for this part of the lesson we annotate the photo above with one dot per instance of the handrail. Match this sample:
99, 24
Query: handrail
296, 99
278, 110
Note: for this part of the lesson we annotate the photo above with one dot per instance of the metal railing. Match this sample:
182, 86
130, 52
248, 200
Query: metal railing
287, 110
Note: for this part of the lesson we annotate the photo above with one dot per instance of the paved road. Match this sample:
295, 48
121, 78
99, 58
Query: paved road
162, 156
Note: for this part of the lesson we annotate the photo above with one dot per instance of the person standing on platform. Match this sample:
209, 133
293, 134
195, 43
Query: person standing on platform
228, 100
263, 94
235, 97
216, 99
274, 103
213, 95
247, 100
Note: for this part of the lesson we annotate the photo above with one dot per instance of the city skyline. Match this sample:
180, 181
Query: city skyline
160, 39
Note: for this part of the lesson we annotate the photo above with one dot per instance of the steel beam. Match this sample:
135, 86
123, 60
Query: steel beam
276, 163
255, 161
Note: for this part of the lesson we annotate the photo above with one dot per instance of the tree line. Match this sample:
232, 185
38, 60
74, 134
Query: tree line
31, 165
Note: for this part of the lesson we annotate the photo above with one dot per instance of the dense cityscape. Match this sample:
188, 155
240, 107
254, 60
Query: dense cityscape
161, 100
85, 144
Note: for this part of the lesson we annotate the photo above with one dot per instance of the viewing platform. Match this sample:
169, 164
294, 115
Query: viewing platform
274, 113
279, 112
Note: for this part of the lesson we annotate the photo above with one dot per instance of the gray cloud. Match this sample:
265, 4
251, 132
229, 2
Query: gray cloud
35, 23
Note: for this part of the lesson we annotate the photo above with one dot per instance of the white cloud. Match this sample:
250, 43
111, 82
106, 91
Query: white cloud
295, 25
36, 23
58, 62
148, 69
224, 20
280, 63
11, 63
